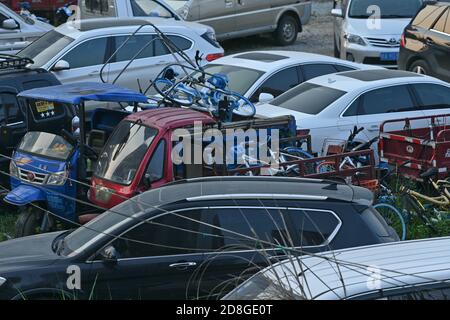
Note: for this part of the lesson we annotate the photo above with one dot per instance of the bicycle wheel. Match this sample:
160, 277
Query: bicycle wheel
243, 106
175, 93
393, 217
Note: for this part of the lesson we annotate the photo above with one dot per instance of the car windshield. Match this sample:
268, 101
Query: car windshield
388, 9
46, 144
45, 48
146, 8
308, 98
240, 79
124, 152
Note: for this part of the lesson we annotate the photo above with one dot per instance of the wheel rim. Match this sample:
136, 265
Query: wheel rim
419, 70
288, 31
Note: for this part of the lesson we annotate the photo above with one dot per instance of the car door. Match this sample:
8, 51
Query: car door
219, 14
86, 60
338, 22
254, 14
154, 56
378, 105
10, 38
13, 121
438, 41
156, 259
278, 83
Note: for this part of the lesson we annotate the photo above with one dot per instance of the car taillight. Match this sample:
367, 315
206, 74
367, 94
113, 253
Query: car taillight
402, 41
214, 56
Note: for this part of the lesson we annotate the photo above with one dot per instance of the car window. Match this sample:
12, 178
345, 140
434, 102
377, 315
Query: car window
431, 96
426, 17
311, 71
386, 100
353, 109
180, 43
442, 22
313, 227
132, 45
170, 234
246, 228
77, 57
156, 166
308, 98
148, 8
341, 68
97, 8
415, 293
278, 83
11, 111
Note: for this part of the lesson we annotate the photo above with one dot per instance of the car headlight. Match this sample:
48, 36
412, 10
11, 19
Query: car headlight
13, 170
2, 281
353, 38
57, 179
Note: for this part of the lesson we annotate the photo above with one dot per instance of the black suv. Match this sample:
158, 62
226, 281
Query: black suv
425, 43
14, 78
191, 239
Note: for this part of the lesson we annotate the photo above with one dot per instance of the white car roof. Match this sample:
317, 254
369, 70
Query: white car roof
105, 26
268, 61
351, 272
366, 79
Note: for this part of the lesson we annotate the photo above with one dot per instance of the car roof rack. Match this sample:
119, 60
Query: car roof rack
9, 61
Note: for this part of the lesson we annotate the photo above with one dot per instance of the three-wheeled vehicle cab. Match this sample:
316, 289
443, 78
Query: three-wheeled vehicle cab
50, 168
15, 77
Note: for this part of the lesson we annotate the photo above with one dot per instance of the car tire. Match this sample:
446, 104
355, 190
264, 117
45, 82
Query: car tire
287, 31
29, 221
337, 52
420, 67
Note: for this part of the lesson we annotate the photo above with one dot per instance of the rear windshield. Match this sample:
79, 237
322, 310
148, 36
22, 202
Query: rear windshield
308, 98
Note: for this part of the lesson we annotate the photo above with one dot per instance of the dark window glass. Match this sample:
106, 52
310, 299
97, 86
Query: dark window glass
180, 43
308, 98
278, 83
343, 68
77, 57
440, 24
10, 106
313, 227
426, 17
169, 234
423, 294
133, 46
432, 96
156, 166
246, 229
361, 9
36, 84
353, 109
315, 70
146, 8
386, 100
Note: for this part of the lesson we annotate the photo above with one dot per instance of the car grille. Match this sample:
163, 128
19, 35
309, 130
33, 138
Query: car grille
384, 43
32, 177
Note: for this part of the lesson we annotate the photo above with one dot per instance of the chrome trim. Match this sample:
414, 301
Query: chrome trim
40, 178
14, 124
256, 196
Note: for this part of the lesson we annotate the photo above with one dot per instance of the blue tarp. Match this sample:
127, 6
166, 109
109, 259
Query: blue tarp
75, 93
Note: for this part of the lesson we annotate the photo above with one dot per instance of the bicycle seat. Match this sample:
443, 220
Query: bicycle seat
432, 172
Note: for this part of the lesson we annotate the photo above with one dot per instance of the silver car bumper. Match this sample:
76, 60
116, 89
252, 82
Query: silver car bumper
368, 54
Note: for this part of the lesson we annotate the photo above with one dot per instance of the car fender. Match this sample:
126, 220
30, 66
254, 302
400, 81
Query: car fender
25, 194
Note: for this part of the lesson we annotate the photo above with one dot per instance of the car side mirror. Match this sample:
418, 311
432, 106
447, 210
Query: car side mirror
337, 12
147, 181
10, 24
265, 97
109, 254
61, 65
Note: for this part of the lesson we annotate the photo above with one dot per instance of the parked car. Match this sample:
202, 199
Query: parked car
368, 31
126, 9
332, 105
425, 45
64, 50
195, 235
229, 18
16, 31
263, 75
410, 270
12, 124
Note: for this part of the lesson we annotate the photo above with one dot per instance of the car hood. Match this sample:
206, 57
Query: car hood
270, 111
389, 27
34, 250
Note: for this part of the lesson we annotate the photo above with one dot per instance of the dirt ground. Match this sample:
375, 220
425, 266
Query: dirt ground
317, 35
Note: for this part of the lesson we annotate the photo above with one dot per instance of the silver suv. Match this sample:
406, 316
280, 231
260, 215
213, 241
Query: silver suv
369, 31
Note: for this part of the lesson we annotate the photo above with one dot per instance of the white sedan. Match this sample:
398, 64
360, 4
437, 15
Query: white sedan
263, 75
331, 105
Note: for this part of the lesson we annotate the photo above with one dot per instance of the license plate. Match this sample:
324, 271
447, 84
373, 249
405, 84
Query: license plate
44, 106
389, 56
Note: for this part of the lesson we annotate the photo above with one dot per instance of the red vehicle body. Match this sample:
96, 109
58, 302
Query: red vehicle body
415, 150
38, 7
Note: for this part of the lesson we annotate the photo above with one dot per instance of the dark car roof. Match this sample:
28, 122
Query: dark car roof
167, 118
17, 80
